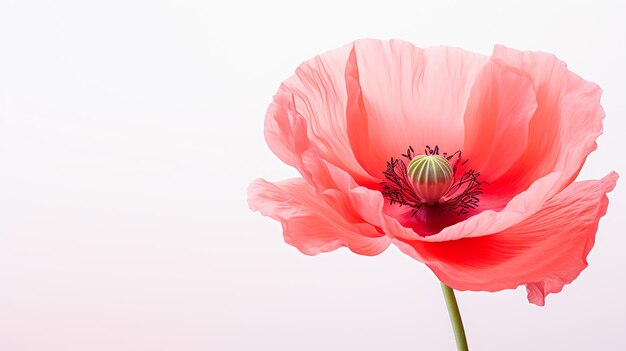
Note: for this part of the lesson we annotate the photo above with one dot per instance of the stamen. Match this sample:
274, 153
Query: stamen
398, 189
463, 195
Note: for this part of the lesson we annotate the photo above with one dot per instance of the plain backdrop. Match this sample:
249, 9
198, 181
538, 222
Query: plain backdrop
129, 131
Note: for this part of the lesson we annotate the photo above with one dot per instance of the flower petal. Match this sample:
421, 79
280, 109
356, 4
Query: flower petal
498, 113
310, 223
545, 251
401, 96
565, 125
309, 112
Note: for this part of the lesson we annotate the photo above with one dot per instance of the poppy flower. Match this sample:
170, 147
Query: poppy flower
465, 162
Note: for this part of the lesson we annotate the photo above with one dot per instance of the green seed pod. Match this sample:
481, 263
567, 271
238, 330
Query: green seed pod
431, 177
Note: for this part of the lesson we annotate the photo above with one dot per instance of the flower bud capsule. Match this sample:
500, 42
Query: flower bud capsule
431, 177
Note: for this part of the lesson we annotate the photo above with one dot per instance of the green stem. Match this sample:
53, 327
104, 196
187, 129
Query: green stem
455, 318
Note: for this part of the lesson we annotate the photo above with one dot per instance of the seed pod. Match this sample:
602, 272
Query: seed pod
431, 177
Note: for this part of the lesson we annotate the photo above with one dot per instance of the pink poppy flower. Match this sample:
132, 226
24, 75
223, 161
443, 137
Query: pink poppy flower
465, 162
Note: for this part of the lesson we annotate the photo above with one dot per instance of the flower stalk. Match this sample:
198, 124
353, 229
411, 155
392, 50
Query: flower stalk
455, 318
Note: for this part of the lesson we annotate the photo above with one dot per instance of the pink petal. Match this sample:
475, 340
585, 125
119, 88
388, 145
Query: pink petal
309, 222
565, 125
401, 96
308, 112
332, 184
545, 251
498, 113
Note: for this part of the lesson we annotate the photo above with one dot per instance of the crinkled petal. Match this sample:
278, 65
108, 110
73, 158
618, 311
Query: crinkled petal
564, 127
310, 223
334, 185
309, 112
544, 252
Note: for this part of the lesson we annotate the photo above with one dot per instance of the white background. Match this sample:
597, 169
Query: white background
130, 130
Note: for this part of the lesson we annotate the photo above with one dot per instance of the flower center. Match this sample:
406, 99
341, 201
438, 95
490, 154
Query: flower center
432, 180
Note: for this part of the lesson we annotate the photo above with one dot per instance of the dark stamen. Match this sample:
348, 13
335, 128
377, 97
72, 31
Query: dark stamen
409, 153
467, 199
